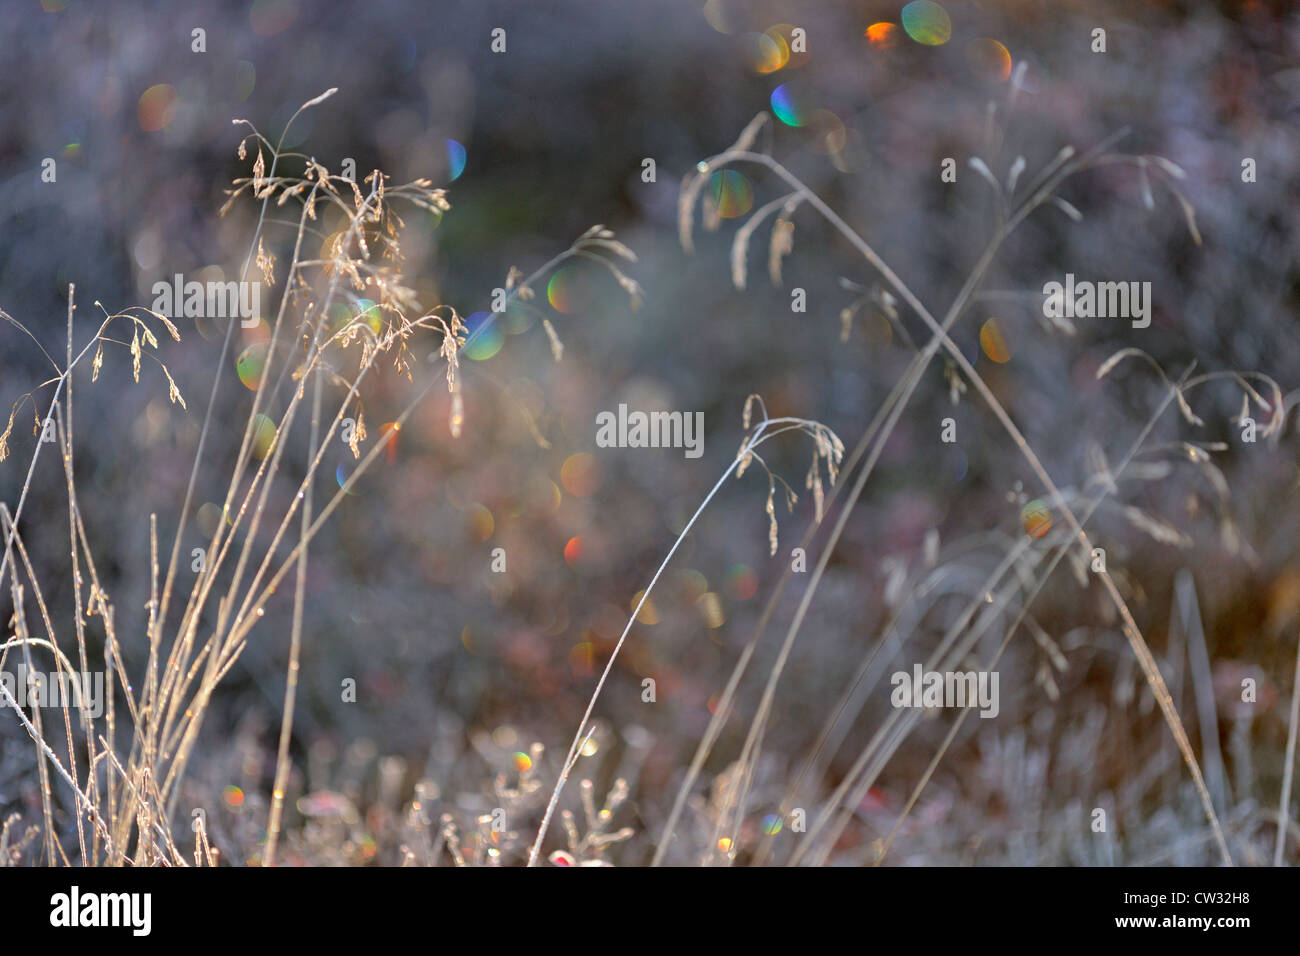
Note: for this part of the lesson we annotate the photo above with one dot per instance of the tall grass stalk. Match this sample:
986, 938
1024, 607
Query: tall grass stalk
1041, 191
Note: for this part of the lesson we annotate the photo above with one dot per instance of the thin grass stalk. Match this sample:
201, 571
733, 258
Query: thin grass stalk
295, 651
1284, 799
1041, 582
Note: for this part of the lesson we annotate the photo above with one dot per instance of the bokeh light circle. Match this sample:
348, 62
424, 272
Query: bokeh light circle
693, 583
269, 17
927, 23
766, 54
647, 614
783, 36
829, 134
485, 337
709, 606
388, 435
250, 365
742, 582
263, 436
960, 463
482, 521
731, 192
342, 473
883, 36
157, 107
582, 659
1036, 518
989, 59
790, 104
569, 290
581, 475
456, 157
371, 314
994, 343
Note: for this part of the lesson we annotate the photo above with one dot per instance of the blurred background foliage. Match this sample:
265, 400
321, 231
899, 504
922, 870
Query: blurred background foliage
535, 145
